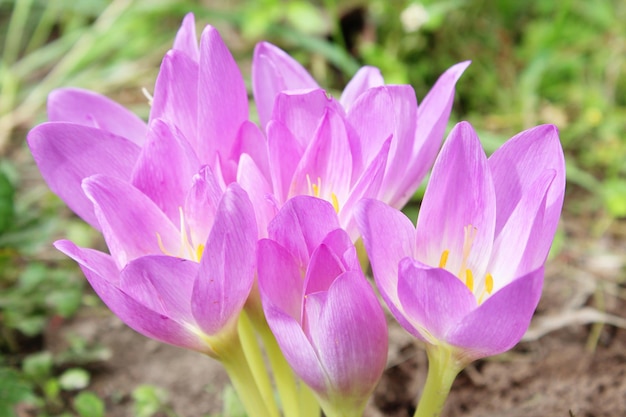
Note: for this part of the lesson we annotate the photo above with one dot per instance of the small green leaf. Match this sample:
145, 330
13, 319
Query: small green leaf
38, 366
88, 404
74, 379
149, 399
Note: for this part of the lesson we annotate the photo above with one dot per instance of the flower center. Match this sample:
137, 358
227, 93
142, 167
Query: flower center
186, 248
465, 274
315, 190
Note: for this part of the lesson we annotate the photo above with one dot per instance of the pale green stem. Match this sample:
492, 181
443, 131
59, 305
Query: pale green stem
309, 406
231, 354
443, 368
255, 360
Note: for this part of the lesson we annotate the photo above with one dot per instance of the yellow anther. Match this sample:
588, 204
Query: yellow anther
199, 252
444, 258
488, 283
469, 280
316, 190
335, 201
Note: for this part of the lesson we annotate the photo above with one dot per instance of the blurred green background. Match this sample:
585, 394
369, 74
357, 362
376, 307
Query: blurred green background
533, 62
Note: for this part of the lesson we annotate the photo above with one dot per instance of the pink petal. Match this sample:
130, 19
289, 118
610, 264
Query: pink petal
280, 278
432, 299
274, 71
186, 39
459, 201
223, 103
350, 335
302, 111
365, 78
227, 266
389, 236
90, 109
501, 321
163, 284
98, 268
175, 97
132, 224
373, 122
66, 153
325, 265
201, 204
432, 118
516, 166
326, 162
259, 190
251, 141
301, 225
516, 247
165, 167
284, 155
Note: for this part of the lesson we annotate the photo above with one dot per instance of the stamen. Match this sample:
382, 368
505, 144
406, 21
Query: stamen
199, 252
147, 95
335, 201
161, 246
469, 280
444, 258
469, 232
489, 283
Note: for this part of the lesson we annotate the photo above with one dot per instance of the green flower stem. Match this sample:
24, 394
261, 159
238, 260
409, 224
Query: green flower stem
252, 350
230, 352
309, 406
286, 382
443, 368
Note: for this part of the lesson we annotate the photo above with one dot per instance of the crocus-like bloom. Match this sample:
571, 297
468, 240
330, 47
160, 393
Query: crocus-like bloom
199, 102
323, 312
373, 142
469, 276
183, 284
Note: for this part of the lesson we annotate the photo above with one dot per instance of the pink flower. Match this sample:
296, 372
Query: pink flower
374, 142
180, 284
199, 116
470, 275
324, 314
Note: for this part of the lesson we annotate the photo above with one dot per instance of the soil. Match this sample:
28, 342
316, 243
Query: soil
570, 364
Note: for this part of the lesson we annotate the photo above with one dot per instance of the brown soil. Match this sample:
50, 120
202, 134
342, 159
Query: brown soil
568, 366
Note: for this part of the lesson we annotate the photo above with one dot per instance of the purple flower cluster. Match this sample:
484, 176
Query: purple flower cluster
205, 211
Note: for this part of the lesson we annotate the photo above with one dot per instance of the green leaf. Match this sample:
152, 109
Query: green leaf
74, 379
149, 399
38, 366
88, 404
7, 209
14, 389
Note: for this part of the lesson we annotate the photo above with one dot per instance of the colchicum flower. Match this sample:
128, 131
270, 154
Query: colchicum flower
199, 102
324, 314
159, 279
468, 278
373, 142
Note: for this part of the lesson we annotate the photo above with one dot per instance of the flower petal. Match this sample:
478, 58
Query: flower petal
458, 211
433, 300
366, 77
163, 284
501, 321
227, 266
350, 335
432, 118
302, 111
326, 163
175, 96
284, 155
86, 108
274, 71
516, 166
254, 182
132, 224
516, 249
389, 236
164, 168
66, 153
301, 225
98, 268
223, 104
186, 39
